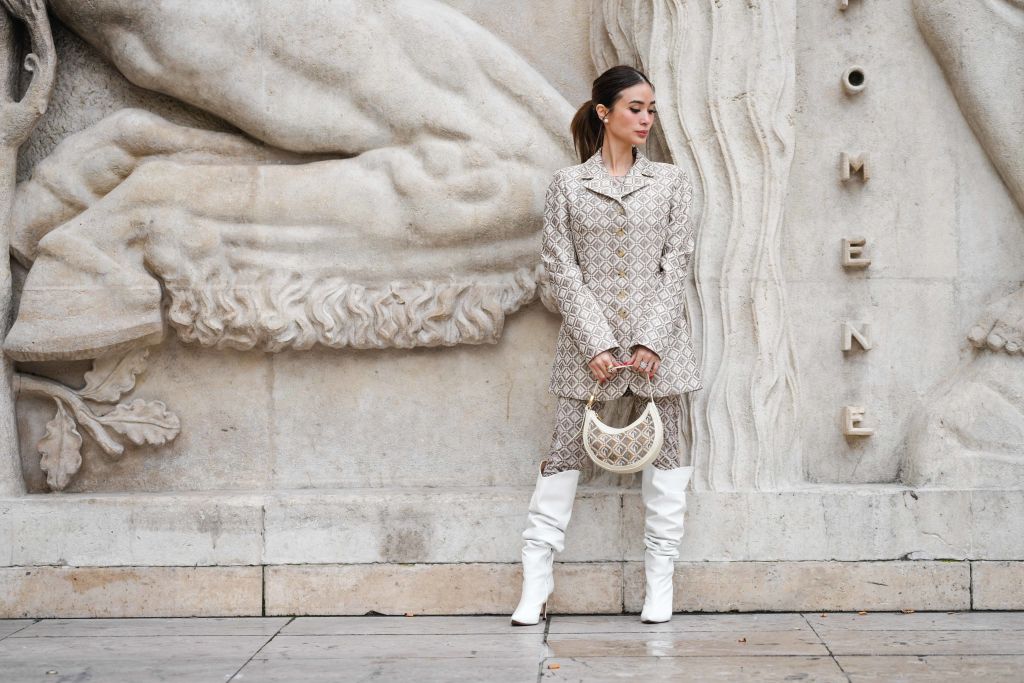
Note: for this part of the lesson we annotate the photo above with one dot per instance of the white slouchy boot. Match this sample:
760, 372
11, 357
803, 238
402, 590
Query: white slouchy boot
549, 512
664, 496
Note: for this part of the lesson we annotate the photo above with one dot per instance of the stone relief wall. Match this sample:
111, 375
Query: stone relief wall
138, 422
259, 247
294, 209
971, 427
893, 266
19, 113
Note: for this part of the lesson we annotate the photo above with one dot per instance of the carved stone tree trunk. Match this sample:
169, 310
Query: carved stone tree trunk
17, 119
724, 75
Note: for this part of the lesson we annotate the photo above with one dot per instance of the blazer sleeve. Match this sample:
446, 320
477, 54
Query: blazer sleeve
581, 313
665, 308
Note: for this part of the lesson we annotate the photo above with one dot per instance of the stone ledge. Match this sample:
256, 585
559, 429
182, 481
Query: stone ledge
470, 525
476, 588
49, 592
810, 586
493, 588
997, 585
456, 525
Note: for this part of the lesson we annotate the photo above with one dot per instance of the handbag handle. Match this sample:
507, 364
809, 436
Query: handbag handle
590, 403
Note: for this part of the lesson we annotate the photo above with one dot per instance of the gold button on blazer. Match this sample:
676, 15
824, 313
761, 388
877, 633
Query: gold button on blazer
617, 252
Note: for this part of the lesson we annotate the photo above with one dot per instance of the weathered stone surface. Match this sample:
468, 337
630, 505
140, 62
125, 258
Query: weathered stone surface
697, 669
456, 524
917, 621
679, 622
970, 428
997, 585
141, 530
994, 534
21, 108
685, 643
400, 437
429, 525
225, 441
830, 523
785, 586
727, 647
433, 588
379, 625
123, 669
513, 645
928, 668
475, 588
124, 659
154, 648
930, 642
884, 379
392, 668
154, 627
10, 626
129, 591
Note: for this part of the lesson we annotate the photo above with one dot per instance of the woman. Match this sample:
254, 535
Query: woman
617, 244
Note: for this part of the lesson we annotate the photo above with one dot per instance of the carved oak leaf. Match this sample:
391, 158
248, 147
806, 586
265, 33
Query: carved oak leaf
143, 422
60, 449
113, 375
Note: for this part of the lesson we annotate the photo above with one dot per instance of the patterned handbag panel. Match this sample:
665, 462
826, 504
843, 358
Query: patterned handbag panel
627, 449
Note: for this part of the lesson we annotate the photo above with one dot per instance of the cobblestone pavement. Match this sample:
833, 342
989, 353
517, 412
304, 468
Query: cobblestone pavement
880, 646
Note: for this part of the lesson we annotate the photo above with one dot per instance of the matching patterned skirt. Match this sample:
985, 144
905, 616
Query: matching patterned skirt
567, 452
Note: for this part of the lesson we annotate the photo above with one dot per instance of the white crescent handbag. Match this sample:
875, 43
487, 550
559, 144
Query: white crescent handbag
623, 449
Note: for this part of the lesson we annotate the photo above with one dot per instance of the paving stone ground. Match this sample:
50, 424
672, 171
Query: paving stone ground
835, 646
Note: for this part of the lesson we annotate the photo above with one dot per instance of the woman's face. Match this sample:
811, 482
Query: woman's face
631, 116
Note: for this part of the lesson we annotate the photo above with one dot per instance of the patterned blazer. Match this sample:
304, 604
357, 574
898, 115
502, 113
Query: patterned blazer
617, 252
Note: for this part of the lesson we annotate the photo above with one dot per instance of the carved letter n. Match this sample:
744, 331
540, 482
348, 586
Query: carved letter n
862, 336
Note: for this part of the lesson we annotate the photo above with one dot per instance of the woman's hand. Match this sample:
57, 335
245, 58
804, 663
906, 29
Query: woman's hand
603, 366
651, 361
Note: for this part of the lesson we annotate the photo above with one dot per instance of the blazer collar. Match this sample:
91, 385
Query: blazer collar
596, 177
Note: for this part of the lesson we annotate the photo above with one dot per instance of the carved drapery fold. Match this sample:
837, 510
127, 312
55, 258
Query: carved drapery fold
724, 76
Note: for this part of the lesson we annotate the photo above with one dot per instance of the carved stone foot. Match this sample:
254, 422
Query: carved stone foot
1001, 326
67, 314
969, 432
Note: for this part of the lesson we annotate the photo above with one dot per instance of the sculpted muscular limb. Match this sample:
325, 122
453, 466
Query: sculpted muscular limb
412, 219
303, 76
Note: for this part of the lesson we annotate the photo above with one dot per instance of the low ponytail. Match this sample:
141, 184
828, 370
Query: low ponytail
587, 130
586, 127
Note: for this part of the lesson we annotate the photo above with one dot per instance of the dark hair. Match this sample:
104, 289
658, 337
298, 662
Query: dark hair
587, 129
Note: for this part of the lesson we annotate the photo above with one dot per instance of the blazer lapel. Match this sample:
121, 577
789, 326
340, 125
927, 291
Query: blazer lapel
596, 177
